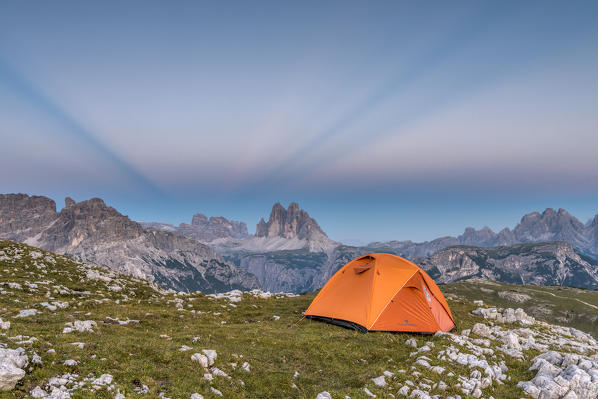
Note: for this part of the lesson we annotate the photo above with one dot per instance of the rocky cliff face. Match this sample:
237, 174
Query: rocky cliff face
285, 271
22, 216
289, 223
550, 263
551, 225
204, 229
93, 232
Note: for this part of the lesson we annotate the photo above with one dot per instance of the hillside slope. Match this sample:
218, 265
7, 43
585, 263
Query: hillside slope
88, 332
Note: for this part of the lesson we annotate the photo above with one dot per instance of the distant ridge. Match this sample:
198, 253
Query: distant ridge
549, 225
203, 228
545, 263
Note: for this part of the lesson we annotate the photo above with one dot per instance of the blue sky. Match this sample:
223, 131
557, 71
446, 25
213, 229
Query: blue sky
385, 120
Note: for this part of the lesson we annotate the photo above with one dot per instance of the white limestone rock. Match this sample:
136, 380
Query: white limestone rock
511, 341
12, 362
104, 379
201, 359
79, 326
482, 330
211, 355
219, 373
26, 313
4, 325
38, 392
379, 381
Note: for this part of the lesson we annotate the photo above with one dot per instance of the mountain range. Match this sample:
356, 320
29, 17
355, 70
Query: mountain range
286, 229
290, 252
94, 232
544, 263
549, 225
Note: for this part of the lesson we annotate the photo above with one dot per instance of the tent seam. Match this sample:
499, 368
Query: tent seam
372, 289
441, 305
391, 298
448, 312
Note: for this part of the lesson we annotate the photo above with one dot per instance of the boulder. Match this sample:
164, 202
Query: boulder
12, 362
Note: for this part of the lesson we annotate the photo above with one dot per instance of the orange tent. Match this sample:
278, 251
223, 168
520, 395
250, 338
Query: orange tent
382, 292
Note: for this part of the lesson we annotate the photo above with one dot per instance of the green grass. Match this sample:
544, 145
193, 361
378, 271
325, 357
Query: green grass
326, 357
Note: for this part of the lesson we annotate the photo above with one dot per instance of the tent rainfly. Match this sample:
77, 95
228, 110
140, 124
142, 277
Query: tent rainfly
382, 292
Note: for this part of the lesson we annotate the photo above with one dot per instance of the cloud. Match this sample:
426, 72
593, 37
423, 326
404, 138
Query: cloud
67, 136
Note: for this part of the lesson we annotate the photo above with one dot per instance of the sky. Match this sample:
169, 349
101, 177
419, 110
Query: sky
384, 120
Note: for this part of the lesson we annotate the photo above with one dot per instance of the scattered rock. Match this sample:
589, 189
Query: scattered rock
246, 367
27, 313
201, 359
104, 379
211, 355
379, 381
4, 325
514, 296
80, 326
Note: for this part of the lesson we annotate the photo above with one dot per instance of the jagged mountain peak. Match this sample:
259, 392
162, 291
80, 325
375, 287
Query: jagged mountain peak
549, 214
68, 202
485, 236
292, 222
199, 219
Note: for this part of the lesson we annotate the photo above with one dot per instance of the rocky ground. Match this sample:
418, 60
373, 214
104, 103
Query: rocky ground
565, 306
69, 329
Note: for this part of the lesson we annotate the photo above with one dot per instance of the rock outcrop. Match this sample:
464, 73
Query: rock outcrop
94, 232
